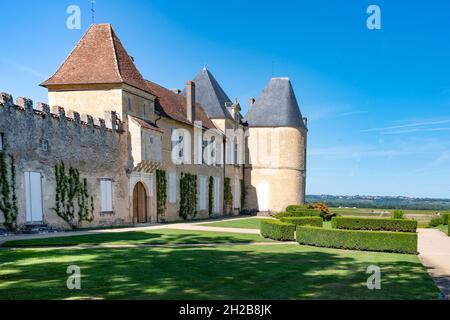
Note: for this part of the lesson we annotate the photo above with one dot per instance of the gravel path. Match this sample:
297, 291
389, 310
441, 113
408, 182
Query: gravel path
434, 249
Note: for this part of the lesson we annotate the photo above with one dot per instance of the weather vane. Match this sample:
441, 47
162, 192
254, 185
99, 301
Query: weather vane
93, 11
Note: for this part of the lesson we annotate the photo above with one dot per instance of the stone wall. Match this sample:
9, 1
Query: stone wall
96, 147
276, 175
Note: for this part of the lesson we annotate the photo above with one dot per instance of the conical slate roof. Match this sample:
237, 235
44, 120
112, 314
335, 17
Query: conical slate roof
277, 106
211, 96
99, 58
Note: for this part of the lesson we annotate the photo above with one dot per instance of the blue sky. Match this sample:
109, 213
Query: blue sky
378, 101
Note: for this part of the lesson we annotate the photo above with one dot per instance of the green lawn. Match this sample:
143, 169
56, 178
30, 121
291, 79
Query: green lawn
251, 223
375, 212
154, 237
223, 272
443, 228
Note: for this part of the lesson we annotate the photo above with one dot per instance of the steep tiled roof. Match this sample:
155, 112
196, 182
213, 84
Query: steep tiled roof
277, 106
174, 106
211, 96
99, 58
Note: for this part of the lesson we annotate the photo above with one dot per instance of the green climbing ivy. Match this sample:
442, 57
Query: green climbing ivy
243, 194
228, 195
211, 196
8, 196
161, 191
73, 203
188, 194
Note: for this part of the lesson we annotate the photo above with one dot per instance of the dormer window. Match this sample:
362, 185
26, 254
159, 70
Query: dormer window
2, 141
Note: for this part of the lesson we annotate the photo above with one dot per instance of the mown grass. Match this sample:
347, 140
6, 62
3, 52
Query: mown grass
443, 228
251, 223
153, 237
223, 272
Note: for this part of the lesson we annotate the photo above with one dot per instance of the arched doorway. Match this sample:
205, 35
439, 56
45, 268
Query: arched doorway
140, 203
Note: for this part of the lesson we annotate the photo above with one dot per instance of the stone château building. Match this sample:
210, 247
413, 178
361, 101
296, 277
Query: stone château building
119, 131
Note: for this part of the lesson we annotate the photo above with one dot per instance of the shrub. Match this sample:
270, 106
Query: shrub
304, 221
320, 207
303, 213
296, 208
398, 225
398, 214
358, 240
445, 217
448, 231
277, 230
437, 221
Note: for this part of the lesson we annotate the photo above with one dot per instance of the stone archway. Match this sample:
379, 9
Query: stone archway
140, 207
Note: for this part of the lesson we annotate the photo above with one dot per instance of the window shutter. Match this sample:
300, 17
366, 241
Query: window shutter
106, 195
172, 187
202, 193
199, 149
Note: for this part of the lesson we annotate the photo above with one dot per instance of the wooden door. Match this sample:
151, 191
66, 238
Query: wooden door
140, 203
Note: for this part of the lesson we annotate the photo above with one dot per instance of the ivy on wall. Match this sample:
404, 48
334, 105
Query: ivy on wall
73, 203
243, 194
161, 192
188, 196
8, 196
228, 195
211, 196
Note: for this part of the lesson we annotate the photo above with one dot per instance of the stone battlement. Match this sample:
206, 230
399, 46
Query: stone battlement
111, 123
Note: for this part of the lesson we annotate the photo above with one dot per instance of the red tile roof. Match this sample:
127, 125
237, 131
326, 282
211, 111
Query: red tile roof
99, 58
174, 106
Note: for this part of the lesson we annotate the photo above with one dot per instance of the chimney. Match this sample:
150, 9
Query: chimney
190, 96
252, 102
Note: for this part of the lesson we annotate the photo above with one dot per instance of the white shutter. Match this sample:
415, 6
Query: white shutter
202, 193
199, 149
33, 196
217, 195
109, 195
263, 196
106, 195
173, 187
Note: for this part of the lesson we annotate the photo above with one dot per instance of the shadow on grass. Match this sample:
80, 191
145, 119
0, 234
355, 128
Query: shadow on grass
158, 237
266, 272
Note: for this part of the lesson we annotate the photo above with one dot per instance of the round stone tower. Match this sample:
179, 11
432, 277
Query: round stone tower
277, 138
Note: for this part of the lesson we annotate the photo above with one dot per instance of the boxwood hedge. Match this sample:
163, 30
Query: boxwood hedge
445, 217
358, 240
302, 213
304, 221
277, 230
296, 208
399, 225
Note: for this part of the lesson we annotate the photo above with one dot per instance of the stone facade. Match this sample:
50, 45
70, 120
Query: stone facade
131, 132
41, 138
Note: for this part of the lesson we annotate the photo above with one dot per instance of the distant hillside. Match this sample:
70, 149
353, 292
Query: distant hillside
381, 202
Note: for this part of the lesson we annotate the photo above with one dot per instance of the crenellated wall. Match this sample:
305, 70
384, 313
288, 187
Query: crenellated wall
41, 137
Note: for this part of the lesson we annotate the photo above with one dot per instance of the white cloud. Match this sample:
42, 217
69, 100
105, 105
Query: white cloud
416, 125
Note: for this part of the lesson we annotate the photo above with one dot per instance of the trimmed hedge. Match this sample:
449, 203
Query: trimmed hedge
358, 240
296, 208
302, 213
445, 217
398, 225
304, 221
277, 230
